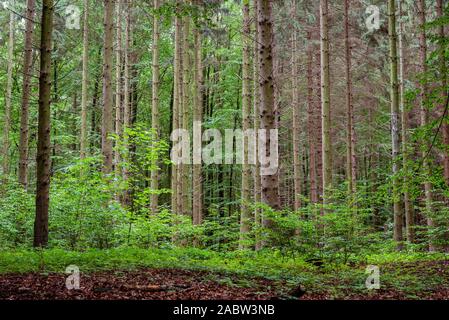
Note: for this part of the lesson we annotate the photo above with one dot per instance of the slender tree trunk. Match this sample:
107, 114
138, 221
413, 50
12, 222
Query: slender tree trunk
177, 78
198, 117
351, 169
155, 101
408, 208
43, 161
296, 116
107, 124
128, 103
118, 82
318, 126
246, 124
443, 75
311, 122
256, 122
268, 112
84, 88
185, 177
325, 101
8, 97
425, 113
26, 89
394, 96
127, 53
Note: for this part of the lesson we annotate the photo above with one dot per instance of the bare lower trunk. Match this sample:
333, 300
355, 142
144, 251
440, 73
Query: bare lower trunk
311, 123
443, 75
43, 139
197, 186
84, 88
186, 92
107, 123
268, 112
256, 112
8, 98
26, 89
425, 114
296, 117
246, 105
394, 96
155, 101
177, 94
351, 170
118, 83
408, 208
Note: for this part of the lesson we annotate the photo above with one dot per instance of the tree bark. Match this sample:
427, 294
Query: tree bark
107, 123
186, 207
43, 143
256, 121
425, 114
177, 78
246, 123
198, 117
443, 75
268, 112
394, 96
351, 168
408, 208
325, 101
26, 89
118, 83
297, 167
311, 123
84, 85
8, 98
155, 101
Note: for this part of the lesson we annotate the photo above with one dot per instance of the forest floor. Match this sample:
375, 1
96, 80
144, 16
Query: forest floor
27, 275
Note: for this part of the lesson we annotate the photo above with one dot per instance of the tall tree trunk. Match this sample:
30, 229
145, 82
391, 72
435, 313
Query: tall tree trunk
177, 79
246, 124
268, 112
118, 82
127, 75
197, 117
443, 75
84, 85
311, 123
318, 125
26, 90
8, 97
256, 121
351, 169
395, 145
425, 113
128, 90
155, 101
185, 177
325, 101
296, 116
43, 139
107, 123
408, 208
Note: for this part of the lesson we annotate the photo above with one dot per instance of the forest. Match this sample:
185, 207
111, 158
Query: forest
224, 149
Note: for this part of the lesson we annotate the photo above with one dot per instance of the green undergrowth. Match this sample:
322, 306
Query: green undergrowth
405, 272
